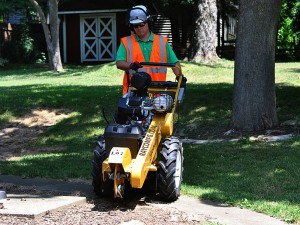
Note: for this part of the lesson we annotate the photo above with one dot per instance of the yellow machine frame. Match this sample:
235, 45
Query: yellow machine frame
124, 166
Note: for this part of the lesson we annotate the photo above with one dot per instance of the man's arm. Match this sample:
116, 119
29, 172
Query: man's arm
172, 58
121, 62
177, 69
123, 65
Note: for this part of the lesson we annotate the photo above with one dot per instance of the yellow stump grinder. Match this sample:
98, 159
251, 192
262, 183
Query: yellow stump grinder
138, 147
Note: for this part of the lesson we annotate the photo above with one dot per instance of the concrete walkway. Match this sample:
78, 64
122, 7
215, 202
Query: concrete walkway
35, 205
194, 207
222, 214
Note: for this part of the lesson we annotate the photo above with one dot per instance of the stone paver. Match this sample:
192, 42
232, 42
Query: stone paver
35, 205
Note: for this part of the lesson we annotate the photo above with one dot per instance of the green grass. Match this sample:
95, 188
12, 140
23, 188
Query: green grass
260, 176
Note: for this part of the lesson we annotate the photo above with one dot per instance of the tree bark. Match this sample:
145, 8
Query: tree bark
54, 27
205, 36
52, 34
254, 100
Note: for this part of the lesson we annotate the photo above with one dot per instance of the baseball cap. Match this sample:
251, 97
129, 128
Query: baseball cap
138, 14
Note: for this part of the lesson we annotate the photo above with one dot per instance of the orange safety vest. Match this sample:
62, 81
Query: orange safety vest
135, 54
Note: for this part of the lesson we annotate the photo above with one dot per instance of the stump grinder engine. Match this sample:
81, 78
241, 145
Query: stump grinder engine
138, 149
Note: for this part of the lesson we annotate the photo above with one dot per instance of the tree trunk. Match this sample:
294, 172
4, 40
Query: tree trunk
205, 36
254, 100
52, 35
54, 27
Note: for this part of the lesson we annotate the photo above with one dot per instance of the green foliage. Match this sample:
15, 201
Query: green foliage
289, 28
41, 58
12, 5
25, 46
20, 47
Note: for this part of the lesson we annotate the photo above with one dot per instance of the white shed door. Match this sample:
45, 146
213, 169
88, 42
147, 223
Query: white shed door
98, 37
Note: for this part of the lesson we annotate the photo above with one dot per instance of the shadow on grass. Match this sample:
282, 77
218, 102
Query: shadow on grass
288, 100
78, 133
205, 112
211, 65
295, 70
25, 71
86, 100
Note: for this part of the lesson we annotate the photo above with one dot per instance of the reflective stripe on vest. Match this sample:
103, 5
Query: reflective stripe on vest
129, 49
151, 70
162, 47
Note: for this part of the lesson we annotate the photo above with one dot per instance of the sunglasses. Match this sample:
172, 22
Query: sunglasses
139, 25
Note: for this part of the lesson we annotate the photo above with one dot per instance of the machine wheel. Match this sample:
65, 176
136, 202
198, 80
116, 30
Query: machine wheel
170, 168
101, 188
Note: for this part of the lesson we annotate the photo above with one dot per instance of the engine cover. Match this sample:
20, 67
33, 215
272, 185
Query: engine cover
129, 108
163, 103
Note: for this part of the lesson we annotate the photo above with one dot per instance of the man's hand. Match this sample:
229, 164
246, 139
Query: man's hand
135, 66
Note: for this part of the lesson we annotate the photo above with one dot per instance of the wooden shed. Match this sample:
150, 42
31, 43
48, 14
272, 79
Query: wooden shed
91, 29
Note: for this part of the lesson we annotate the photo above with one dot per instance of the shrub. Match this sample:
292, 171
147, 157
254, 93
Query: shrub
3, 62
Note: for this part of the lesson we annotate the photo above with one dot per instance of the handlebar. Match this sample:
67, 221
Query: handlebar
171, 65
158, 64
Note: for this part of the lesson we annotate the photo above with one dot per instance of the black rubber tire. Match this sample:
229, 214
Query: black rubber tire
101, 188
168, 185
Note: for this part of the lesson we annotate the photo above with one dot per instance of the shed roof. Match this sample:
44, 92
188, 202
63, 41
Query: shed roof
67, 6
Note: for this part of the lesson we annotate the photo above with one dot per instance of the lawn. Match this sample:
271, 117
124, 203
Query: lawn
258, 175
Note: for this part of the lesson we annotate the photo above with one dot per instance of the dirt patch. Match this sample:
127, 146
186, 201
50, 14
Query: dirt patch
16, 135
